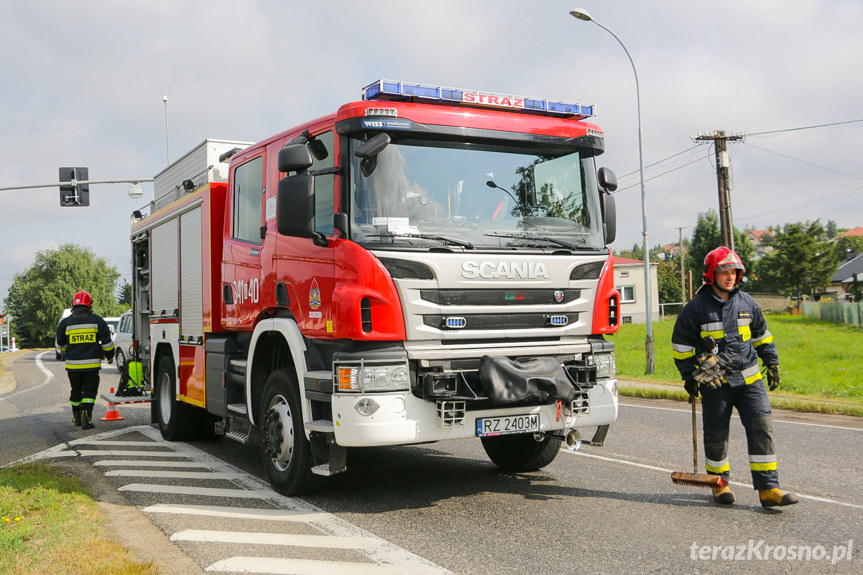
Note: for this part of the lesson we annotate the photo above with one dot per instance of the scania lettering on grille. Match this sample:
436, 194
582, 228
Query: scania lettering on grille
504, 270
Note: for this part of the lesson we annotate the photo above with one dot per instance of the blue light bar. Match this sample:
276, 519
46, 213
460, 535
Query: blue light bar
392, 90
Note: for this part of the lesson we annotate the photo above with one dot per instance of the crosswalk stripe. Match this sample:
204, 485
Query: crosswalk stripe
233, 512
191, 490
140, 463
258, 538
155, 473
274, 566
124, 453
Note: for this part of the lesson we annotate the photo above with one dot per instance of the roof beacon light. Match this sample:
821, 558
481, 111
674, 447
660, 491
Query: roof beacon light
391, 90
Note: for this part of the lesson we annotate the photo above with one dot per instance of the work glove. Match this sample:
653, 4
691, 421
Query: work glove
691, 387
772, 377
709, 371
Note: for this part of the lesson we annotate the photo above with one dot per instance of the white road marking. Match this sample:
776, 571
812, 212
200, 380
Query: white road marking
738, 483
233, 512
193, 490
45, 371
172, 474
257, 538
139, 463
775, 419
275, 566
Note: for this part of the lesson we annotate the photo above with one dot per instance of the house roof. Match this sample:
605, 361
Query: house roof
846, 271
852, 232
759, 234
619, 261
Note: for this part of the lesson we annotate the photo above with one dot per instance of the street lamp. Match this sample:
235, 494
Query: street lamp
582, 14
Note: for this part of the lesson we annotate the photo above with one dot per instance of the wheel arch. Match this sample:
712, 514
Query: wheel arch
276, 344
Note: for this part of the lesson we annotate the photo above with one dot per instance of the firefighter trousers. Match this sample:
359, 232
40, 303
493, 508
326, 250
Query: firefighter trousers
753, 407
85, 386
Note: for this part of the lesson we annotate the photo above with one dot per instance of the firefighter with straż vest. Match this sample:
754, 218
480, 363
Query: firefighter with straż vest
86, 339
717, 340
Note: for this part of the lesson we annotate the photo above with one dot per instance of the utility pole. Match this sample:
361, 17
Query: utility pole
682, 267
723, 163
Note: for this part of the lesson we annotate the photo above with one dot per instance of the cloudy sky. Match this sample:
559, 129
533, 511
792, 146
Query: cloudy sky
82, 84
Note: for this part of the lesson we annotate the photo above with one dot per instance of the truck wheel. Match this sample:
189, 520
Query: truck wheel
285, 450
521, 452
177, 421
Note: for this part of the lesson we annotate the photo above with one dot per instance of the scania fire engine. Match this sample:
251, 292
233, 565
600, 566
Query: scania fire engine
425, 264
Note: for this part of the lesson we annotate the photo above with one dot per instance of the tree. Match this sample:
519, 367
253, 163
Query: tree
38, 295
800, 262
124, 297
669, 282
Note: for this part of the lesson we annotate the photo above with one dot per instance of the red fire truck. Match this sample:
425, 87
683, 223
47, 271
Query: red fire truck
422, 265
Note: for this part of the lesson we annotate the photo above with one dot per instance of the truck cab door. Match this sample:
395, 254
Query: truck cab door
241, 266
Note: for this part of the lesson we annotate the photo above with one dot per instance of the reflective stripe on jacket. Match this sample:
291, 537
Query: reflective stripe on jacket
738, 327
86, 339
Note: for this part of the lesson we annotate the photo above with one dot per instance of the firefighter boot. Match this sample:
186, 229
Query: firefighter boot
76, 415
723, 495
776, 498
87, 418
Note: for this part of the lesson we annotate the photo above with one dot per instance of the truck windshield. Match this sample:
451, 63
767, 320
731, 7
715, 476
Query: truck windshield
423, 194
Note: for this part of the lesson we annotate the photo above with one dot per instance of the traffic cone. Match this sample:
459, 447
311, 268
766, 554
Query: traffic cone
112, 414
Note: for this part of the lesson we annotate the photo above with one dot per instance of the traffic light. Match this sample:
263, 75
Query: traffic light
73, 193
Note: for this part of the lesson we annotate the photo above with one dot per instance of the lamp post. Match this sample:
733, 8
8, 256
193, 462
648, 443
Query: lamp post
582, 14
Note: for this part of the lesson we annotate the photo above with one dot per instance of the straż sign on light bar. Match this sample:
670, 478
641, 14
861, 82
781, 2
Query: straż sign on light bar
488, 99
404, 91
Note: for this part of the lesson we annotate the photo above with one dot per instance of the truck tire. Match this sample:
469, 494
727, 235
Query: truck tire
521, 452
177, 421
285, 450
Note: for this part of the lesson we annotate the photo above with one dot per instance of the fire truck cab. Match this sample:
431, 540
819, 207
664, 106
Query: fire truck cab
422, 265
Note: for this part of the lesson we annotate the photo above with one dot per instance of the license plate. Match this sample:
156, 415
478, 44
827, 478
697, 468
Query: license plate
507, 425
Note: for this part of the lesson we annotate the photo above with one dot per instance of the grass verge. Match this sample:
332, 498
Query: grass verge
819, 361
49, 524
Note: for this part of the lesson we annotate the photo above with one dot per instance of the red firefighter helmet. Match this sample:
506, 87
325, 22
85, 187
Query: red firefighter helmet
722, 258
82, 298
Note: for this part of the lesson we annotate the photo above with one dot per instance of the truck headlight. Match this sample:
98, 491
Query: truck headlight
367, 377
605, 364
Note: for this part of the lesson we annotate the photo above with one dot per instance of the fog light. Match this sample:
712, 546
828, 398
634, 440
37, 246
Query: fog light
367, 406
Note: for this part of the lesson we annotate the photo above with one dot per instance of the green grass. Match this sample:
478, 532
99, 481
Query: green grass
50, 525
820, 362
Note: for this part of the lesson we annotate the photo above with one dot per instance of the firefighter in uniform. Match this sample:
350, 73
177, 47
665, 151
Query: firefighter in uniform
717, 340
86, 339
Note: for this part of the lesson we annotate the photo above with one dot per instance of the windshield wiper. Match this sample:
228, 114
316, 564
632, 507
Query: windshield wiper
443, 239
535, 238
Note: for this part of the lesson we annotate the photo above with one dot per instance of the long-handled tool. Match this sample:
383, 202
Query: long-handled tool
697, 479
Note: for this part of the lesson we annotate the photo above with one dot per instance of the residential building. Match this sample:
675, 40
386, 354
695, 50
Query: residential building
629, 281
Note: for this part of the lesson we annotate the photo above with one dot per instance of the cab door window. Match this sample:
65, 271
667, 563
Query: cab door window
323, 157
249, 200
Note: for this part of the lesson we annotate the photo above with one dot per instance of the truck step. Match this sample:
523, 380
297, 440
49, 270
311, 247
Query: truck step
238, 365
238, 408
240, 436
321, 425
324, 470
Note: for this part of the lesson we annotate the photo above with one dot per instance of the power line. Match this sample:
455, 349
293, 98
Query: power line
802, 128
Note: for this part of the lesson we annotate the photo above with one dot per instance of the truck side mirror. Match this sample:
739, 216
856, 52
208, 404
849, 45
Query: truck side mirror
608, 184
294, 158
610, 218
607, 180
295, 205
368, 152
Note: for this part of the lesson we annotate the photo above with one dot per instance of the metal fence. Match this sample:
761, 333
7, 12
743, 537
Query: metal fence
849, 313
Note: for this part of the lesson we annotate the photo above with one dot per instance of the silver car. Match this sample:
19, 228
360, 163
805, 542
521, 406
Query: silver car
123, 341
